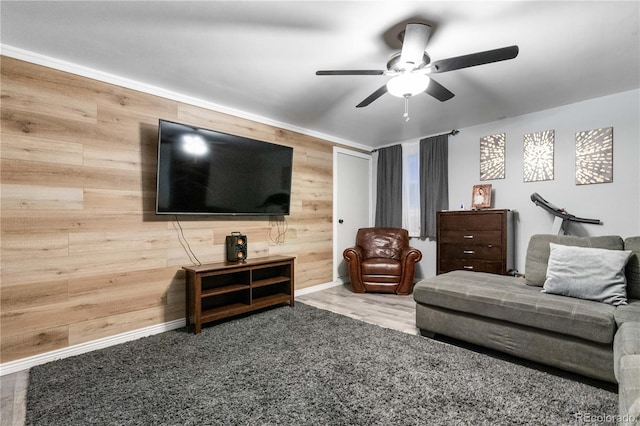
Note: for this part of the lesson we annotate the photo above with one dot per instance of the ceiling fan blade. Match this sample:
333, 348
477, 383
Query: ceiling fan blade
474, 59
414, 43
351, 72
438, 91
372, 97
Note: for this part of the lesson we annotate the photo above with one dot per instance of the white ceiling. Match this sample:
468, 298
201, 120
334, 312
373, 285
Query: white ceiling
260, 57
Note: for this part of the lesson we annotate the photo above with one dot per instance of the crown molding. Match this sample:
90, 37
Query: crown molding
70, 67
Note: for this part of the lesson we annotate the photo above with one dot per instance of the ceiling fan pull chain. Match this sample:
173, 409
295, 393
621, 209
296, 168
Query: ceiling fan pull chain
406, 109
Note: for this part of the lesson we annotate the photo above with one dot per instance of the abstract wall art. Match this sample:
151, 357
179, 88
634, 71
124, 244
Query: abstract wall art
492, 156
538, 156
594, 156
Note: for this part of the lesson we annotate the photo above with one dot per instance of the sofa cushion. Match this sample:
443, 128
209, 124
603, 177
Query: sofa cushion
633, 267
538, 252
509, 299
379, 266
587, 273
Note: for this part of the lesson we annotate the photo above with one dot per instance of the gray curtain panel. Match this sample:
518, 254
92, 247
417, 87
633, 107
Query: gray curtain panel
389, 187
434, 182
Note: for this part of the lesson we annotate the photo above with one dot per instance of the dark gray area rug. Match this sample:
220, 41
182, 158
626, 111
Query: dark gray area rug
302, 366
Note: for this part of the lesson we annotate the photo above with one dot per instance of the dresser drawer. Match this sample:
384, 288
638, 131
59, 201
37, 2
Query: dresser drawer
471, 237
479, 221
447, 265
484, 252
475, 240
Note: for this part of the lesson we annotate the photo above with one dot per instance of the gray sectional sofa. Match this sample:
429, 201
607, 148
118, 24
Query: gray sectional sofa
550, 316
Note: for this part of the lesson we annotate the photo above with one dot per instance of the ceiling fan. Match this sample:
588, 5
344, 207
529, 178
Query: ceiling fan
411, 67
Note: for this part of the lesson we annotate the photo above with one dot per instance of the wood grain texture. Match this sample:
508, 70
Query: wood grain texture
83, 254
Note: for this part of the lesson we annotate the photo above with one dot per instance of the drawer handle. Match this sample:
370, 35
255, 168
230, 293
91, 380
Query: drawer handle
468, 267
469, 237
469, 252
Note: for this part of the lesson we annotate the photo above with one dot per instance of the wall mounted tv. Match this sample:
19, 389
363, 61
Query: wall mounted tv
207, 172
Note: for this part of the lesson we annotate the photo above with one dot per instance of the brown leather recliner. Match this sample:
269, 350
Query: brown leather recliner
382, 261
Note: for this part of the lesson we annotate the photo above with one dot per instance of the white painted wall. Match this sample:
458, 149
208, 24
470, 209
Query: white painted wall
427, 266
616, 204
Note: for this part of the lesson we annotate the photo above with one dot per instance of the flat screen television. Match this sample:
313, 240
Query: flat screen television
206, 172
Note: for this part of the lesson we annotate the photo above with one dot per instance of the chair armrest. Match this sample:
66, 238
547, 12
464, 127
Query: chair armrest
411, 254
354, 256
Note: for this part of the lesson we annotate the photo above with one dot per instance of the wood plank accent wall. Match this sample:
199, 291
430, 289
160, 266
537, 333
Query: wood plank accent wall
83, 254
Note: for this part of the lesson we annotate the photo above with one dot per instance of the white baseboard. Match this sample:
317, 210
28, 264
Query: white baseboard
32, 361
318, 287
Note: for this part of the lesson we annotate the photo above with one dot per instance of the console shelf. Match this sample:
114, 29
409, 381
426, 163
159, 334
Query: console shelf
220, 290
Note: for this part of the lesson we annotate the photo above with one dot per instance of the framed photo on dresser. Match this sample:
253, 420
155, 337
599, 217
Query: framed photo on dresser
481, 197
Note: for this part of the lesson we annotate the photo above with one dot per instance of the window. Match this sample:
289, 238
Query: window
411, 188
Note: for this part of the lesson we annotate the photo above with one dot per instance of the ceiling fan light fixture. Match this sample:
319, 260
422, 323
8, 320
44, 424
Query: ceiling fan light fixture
405, 85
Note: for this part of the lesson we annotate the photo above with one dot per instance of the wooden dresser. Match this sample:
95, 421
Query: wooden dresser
475, 240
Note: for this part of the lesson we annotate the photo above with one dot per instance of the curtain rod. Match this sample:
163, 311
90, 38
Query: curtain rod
451, 133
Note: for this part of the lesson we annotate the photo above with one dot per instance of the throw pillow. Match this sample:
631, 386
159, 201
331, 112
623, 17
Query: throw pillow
587, 273
538, 252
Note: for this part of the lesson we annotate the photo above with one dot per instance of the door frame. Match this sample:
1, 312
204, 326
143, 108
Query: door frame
363, 155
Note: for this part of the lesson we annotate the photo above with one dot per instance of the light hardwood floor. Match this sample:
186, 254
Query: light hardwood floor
386, 310
14, 392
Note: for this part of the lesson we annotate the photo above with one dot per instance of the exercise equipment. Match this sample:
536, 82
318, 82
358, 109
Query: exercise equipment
562, 216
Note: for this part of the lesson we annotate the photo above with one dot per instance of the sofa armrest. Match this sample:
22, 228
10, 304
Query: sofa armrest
627, 313
626, 367
625, 342
629, 390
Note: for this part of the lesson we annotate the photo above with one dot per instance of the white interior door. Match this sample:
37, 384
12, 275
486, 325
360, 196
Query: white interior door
353, 206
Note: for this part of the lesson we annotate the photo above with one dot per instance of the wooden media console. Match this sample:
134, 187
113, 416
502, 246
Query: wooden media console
220, 290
